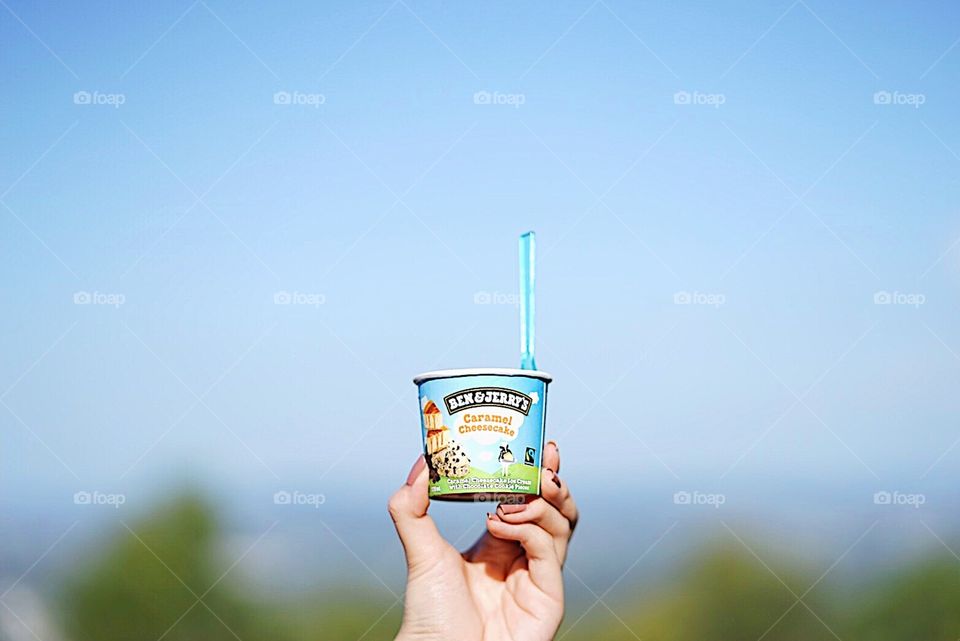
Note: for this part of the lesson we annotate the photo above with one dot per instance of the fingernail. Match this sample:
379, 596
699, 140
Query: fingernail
415, 470
513, 508
555, 446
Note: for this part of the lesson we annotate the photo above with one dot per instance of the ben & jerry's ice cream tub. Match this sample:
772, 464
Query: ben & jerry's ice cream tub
483, 431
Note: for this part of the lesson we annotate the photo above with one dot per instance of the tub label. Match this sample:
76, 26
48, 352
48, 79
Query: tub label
483, 434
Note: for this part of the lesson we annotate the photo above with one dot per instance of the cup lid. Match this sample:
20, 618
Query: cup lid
481, 371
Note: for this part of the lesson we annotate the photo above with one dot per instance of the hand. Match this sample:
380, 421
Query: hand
507, 586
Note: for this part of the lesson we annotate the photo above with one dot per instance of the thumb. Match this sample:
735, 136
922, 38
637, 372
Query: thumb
408, 509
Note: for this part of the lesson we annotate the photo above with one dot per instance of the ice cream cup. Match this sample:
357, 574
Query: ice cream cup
483, 432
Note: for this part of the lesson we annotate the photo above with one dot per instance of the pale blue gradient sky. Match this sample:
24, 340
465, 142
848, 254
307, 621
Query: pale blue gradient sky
400, 198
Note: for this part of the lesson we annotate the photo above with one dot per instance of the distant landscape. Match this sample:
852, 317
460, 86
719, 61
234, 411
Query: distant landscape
141, 579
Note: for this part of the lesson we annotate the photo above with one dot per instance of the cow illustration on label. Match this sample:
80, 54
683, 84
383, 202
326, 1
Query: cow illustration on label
506, 459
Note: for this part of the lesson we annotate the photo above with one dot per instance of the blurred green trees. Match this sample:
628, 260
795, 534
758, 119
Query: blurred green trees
145, 587
724, 593
919, 602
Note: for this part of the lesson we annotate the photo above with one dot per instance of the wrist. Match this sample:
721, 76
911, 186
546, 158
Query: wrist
428, 625
408, 635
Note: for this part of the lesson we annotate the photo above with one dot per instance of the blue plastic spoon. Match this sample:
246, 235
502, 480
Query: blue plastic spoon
527, 247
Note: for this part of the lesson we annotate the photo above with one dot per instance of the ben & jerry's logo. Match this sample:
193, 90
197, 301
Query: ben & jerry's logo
496, 396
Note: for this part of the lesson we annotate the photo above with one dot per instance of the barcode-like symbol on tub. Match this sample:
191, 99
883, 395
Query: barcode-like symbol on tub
496, 396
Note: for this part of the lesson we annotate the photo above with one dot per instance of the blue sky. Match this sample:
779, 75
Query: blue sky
386, 209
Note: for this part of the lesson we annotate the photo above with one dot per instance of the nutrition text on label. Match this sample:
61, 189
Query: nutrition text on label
490, 484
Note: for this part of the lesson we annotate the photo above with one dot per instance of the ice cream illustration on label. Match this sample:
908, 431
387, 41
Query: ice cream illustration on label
445, 457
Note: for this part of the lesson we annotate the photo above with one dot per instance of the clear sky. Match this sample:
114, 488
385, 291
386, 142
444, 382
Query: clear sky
187, 164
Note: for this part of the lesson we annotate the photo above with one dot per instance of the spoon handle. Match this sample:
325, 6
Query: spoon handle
527, 250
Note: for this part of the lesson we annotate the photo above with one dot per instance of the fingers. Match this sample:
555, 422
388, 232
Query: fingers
557, 493
542, 561
551, 456
555, 511
552, 488
498, 553
408, 509
489, 547
544, 515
